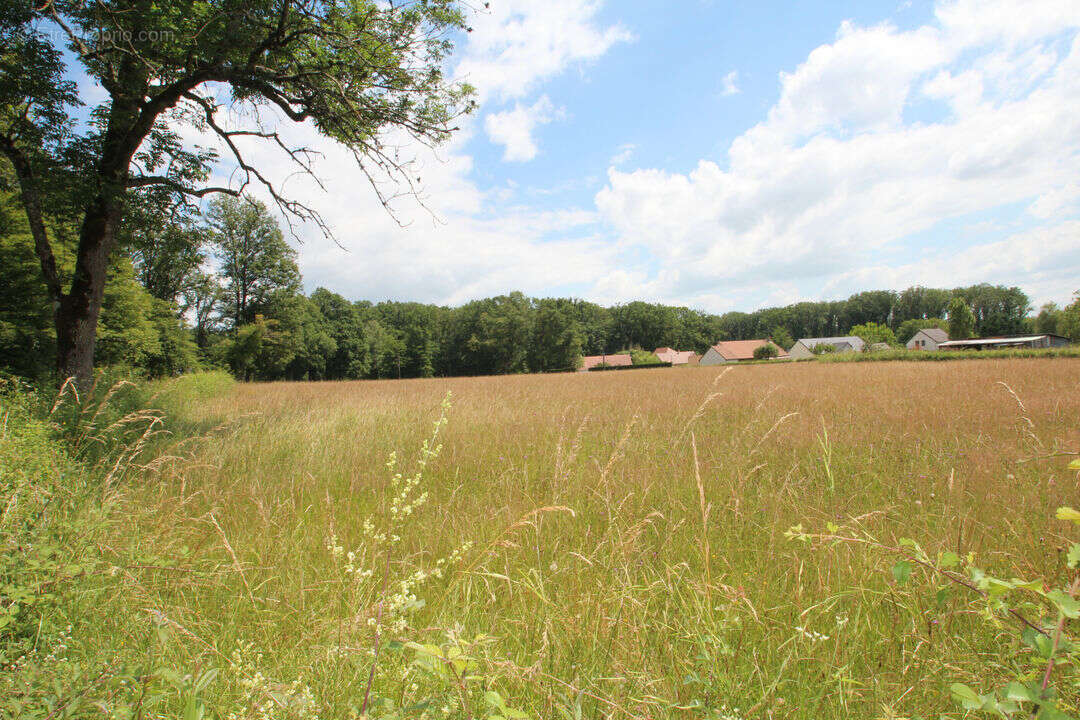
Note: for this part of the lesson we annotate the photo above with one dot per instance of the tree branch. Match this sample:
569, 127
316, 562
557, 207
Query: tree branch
31, 202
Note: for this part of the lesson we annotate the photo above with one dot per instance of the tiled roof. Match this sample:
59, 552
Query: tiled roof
743, 349
591, 361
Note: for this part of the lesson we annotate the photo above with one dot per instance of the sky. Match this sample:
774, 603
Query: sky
730, 156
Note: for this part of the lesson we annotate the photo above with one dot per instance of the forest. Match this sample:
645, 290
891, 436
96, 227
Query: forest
220, 287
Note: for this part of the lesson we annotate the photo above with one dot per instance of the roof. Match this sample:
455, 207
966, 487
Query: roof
936, 334
1002, 340
675, 357
743, 349
854, 341
619, 360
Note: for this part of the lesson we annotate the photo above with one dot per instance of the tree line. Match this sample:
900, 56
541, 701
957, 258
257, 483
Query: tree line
223, 288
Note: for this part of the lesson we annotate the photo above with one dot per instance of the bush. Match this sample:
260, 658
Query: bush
643, 357
765, 352
873, 332
823, 349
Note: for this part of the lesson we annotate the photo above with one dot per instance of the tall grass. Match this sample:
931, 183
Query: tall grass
606, 545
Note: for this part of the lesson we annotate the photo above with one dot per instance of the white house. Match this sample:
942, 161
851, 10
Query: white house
927, 339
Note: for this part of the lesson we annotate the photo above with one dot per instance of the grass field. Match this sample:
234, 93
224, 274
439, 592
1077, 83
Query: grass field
602, 544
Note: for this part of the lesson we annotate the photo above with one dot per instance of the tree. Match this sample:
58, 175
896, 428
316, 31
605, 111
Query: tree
1048, 319
556, 338
961, 319
255, 259
353, 69
1069, 324
873, 332
782, 337
165, 242
203, 299
765, 352
350, 359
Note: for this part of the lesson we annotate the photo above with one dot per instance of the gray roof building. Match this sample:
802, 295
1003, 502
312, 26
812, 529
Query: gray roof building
805, 348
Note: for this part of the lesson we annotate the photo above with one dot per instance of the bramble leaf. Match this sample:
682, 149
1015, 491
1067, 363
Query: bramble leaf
949, 559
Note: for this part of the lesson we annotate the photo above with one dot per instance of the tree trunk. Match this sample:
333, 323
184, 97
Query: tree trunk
76, 314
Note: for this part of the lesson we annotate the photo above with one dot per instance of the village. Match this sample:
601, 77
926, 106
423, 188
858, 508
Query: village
765, 350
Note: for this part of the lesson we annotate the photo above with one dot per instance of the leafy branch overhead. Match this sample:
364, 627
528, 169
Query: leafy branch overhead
367, 74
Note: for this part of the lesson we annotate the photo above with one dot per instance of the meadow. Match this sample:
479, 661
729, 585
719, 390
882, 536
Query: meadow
594, 545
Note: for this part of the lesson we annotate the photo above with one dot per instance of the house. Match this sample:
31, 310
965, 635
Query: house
927, 339
677, 357
1004, 343
730, 351
591, 361
805, 347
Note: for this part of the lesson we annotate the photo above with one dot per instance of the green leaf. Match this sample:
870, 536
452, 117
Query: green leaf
968, 698
1067, 513
949, 559
901, 571
1075, 465
832, 527
1064, 602
1049, 712
1074, 555
1020, 693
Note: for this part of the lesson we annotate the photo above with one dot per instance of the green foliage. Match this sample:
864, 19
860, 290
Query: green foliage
961, 319
823, 348
556, 339
765, 352
642, 357
872, 332
256, 262
1041, 613
1069, 322
782, 337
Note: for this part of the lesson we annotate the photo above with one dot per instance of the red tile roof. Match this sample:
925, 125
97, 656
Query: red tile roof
675, 357
743, 349
591, 361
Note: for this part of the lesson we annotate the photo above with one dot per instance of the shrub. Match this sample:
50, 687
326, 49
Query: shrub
643, 357
765, 352
823, 349
873, 332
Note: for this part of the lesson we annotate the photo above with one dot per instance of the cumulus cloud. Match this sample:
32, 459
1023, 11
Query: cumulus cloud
818, 199
516, 44
514, 128
835, 174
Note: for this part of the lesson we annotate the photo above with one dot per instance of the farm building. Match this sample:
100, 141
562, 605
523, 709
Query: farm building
591, 361
731, 351
677, 357
805, 347
1004, 343
927, 339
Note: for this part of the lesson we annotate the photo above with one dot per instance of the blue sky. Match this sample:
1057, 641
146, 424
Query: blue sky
732, 155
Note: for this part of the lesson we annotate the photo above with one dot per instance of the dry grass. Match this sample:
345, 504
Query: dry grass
670, 588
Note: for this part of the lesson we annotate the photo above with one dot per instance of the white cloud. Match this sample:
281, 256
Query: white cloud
515, 44
815, 200
514, 128
836, 174
730, 84
622, 154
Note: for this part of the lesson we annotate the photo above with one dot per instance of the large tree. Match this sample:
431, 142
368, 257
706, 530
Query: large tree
353, 69
255, 259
